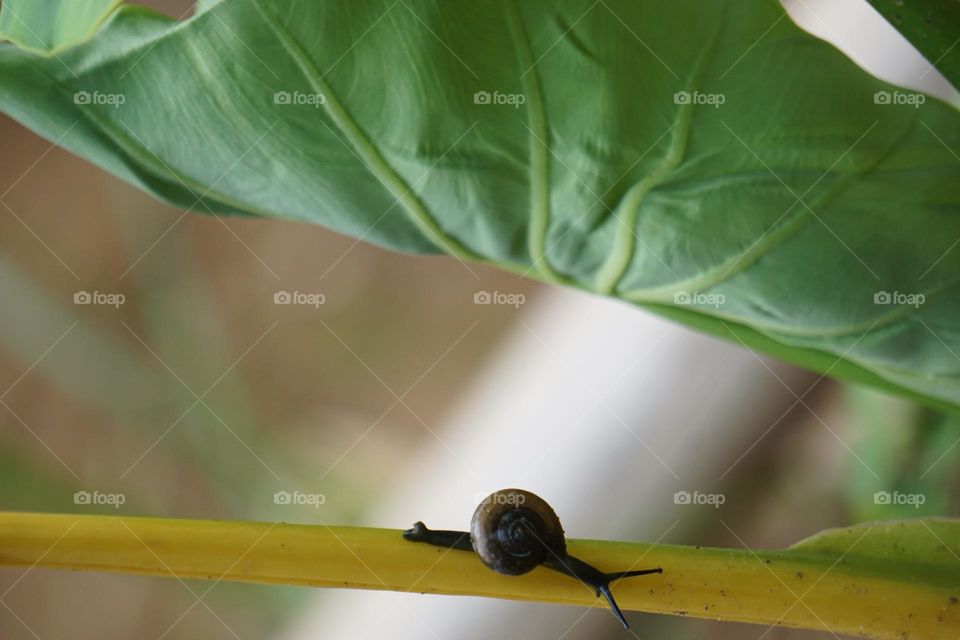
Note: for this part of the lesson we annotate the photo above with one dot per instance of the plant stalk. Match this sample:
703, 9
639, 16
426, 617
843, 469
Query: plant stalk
789, 588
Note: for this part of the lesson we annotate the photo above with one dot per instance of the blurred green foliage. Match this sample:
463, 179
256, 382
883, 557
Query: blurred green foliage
907, 460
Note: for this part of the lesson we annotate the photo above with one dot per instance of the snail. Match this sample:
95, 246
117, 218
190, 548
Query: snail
513, 531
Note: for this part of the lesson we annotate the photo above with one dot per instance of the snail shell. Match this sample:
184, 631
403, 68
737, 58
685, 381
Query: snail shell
513, 531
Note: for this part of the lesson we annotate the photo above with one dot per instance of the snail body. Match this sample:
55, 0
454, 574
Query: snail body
513, 531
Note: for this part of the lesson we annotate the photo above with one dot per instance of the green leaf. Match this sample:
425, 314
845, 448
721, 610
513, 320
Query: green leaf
932, 26
927, 547
203, 5
49, 25
709, 161
907, 460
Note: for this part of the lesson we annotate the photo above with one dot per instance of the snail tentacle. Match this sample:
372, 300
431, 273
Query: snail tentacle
616, 575
605, 590
593, 577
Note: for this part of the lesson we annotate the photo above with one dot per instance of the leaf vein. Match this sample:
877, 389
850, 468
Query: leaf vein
372, 158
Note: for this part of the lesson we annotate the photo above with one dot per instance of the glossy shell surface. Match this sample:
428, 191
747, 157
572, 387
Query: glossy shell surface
514, 530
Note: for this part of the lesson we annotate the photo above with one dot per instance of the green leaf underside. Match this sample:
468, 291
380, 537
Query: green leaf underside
48, 25
787, 208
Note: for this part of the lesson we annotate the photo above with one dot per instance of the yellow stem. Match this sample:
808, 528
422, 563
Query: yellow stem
789, 588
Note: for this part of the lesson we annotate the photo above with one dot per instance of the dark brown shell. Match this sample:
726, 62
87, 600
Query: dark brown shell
514, 530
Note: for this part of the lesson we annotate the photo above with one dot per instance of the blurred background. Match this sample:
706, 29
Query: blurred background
149, 361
